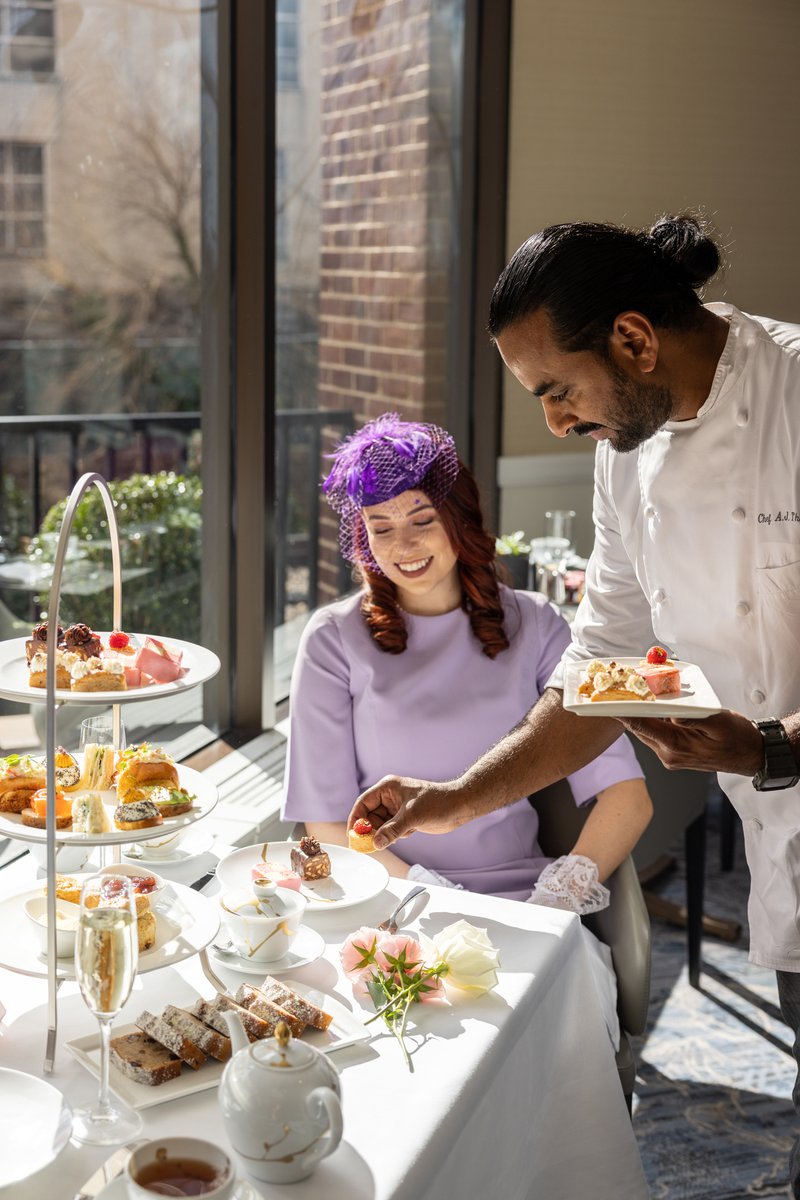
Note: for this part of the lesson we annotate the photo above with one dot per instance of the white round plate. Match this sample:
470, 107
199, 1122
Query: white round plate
200, 664
354, 877
306, 948
41, 1121
117, 1190
185, 923
194, 782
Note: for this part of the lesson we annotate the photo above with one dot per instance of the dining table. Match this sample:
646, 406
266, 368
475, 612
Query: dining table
512, 1094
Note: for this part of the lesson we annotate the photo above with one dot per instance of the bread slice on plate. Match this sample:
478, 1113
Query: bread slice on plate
304, 1010
170, 1037
210, 1011
256, 1002
143, 1059
211, 1042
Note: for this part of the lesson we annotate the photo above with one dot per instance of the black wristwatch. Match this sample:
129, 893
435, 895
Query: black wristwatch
780, 767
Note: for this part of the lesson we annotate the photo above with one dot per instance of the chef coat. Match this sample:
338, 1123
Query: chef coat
697, 548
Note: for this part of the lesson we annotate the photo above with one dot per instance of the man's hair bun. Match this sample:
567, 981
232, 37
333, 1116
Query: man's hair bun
685, 241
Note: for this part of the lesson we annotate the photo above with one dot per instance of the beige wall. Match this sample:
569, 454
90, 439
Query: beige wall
625, 109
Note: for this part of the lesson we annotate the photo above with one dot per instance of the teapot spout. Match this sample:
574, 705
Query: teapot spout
239, 1038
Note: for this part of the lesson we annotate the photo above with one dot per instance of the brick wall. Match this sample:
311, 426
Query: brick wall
387, 163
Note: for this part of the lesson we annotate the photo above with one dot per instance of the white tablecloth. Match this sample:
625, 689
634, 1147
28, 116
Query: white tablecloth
513, 1095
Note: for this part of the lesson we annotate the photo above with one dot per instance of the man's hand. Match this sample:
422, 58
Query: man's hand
725, 742
397, 807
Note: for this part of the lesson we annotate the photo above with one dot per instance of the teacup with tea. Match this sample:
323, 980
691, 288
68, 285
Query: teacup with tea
180, 1166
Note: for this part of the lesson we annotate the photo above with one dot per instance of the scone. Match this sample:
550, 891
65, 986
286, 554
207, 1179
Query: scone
360, 837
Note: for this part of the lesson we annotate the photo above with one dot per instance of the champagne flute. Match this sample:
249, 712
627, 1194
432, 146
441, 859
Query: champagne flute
106, 957
99, 731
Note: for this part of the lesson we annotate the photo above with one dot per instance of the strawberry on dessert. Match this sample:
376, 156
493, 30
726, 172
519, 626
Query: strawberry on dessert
161, 662
360, 837
657, 655
270, 872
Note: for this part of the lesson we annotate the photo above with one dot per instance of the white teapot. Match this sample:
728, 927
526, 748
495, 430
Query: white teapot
281, 1104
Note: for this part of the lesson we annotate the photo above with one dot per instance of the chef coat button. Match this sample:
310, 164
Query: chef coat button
742, 608
738, 514
649, 511
742, 417
659, 596
757, 696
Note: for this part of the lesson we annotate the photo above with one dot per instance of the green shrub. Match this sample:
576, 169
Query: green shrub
159, 522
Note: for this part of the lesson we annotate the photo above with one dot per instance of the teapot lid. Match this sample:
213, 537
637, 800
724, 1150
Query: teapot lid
283, 1050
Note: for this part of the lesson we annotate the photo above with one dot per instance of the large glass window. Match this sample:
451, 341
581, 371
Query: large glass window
100, 285
369, 158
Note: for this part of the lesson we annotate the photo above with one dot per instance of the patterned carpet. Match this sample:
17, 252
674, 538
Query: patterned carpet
712, 1111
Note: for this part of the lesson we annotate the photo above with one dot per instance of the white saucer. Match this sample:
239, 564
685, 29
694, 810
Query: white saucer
307, 947
116, 1190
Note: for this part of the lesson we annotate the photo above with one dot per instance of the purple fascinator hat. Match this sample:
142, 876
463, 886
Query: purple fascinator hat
378, 462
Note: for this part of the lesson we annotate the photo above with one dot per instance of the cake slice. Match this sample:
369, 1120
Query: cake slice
210, 1011
309, 860
304, 1010
256, 1002
171, 1038
211, 1042
144, 1060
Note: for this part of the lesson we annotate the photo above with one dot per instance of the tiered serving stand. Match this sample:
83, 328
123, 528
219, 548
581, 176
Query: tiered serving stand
206, 666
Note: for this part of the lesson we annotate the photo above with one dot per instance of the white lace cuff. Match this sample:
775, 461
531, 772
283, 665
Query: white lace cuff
420, 874
571, 883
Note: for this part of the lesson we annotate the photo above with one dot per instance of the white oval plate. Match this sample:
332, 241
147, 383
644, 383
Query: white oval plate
697, 699
194, 781
200, 664
185, 923
354, 877
306, 948
41, 1121
346, 1029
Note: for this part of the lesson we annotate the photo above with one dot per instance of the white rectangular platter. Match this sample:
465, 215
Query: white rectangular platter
346, 1029
697, 697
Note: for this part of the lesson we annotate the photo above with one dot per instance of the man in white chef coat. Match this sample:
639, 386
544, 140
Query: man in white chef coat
696, 413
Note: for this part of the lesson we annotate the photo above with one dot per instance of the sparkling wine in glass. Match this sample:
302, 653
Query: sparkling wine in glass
106, 957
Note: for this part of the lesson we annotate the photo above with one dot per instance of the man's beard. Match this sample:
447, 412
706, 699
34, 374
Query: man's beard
636, 411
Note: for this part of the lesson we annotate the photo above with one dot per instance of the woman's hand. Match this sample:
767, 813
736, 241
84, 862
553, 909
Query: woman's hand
726, 741
397, 807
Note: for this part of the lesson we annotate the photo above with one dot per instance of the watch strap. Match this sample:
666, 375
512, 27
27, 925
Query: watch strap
780, 768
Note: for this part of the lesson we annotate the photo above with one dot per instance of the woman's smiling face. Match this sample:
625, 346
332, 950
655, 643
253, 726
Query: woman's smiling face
410, 545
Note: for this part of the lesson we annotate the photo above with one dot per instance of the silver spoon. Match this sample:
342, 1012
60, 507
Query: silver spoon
390, 923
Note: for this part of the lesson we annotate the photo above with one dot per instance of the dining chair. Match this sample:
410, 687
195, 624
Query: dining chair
624, 925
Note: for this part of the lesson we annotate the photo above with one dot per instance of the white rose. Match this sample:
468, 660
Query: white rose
470, 957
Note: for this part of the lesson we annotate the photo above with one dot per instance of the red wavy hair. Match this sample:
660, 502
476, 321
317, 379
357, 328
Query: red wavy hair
474, 546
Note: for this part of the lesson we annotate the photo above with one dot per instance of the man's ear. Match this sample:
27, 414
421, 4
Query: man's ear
634, 342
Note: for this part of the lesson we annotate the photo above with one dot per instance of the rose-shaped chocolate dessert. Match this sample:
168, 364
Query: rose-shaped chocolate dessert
38, 640
82, 641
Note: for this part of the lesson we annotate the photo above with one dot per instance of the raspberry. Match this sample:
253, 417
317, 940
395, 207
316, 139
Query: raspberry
657, 655
362, 827
118, 640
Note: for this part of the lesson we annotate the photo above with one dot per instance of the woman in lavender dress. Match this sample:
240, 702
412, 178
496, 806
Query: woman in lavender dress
430, 665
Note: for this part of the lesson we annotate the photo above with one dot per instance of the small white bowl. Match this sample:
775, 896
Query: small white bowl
133, 872
257, 937
36, 912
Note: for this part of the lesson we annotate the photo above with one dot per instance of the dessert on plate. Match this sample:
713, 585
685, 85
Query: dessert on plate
37, 642
654, 675
272, 872
37, 668
82, 640
309, 860
97, 675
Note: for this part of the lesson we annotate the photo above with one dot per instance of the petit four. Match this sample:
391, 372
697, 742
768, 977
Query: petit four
65, 661
309, 860
37, 642
271, 872
98, 675
162, 663
360, 837
81, 640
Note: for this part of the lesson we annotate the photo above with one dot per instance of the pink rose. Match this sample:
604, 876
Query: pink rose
358, 950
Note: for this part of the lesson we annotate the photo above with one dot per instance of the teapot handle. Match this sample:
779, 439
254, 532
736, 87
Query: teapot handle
324, 1100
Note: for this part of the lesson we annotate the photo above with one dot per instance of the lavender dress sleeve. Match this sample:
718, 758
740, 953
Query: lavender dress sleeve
321, 776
